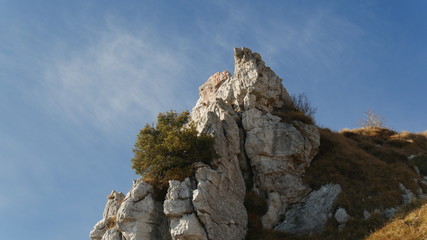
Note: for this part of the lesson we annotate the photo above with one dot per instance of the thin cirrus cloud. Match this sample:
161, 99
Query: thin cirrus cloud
124, 75
119, 78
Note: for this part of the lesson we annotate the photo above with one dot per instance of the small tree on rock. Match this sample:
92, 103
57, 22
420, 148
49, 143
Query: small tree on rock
167, 150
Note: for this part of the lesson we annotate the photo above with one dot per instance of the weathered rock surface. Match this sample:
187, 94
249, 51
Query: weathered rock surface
279, 154
104, 229
136, 216
237, 111
256, 148
311, 214
178, 207
407, 195
140, 216
187, 227
341, 215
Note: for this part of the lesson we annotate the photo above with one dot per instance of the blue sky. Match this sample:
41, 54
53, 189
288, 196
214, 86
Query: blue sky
78, 79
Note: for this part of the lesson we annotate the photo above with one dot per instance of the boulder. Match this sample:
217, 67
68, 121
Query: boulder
311, 214
341, 215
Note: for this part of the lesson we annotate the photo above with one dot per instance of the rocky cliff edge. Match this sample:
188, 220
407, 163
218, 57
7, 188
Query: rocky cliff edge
259, 152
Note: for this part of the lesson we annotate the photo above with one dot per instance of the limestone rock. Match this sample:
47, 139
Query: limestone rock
366, 214
98, 230
279, 154
341, 215
136, 216
187, 228
219, 196
390, 212
219, 203
113, 234
140, 216
252, 143
178, 207
178, 198
276, 205
102, 229
407, 195
256, 149
311, 214
113, 204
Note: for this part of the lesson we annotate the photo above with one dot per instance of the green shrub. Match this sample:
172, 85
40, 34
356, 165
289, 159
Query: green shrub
167, 150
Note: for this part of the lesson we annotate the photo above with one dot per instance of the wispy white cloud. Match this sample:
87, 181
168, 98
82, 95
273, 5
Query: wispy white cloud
312, 42
117, 80
122, 75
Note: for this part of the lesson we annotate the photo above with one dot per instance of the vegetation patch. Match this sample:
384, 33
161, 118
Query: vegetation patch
111, 222
368, 163
369, 170
410, 223
167, 150
298, 109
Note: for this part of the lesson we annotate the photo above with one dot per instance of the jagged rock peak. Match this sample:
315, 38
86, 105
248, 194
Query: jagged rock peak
271, 154
257, 152
253, 85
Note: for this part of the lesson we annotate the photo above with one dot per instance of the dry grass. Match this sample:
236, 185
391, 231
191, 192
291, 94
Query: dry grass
111, 222
291, 116
369, 164
412, 226
369, 170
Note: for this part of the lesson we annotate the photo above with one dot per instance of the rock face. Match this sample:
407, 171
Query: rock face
136, 216
178, 207
270, 153
312, 213
258, 152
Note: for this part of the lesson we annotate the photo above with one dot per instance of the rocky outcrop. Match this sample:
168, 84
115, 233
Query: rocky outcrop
279, 154
407, 195
270, 153
136, 216
311, 214
178, 207
257, 150
341, 215
105, 229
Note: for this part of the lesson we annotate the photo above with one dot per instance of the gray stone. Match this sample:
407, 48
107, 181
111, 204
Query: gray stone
253, 146
341, 215
98, 230
178, 199
113, 234
113, 204
178, 207
366, 214
389, 212
140, 216
407, 195
279, 153
187, 227
276, 204
311, 214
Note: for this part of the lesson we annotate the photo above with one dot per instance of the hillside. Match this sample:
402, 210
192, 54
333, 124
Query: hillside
274, 173
371, 165
410, 224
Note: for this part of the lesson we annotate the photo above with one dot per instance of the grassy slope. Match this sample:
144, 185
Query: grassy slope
410, 226
369, 164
